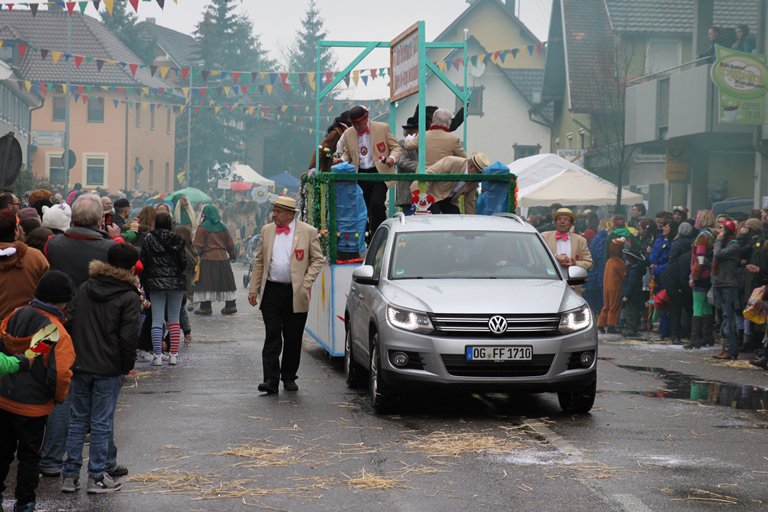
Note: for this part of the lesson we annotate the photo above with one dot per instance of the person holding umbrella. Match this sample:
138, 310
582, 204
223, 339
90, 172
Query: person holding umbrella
216, 248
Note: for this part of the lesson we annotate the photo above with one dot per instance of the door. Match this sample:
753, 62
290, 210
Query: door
365, 294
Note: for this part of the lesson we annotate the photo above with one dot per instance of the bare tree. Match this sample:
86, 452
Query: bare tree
608, 152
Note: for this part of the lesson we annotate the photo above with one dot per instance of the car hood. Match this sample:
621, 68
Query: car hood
452, 296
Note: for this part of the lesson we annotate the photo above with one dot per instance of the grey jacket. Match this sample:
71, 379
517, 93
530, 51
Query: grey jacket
728, 260
73, 251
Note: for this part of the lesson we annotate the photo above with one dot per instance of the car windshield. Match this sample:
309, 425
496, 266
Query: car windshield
470, 255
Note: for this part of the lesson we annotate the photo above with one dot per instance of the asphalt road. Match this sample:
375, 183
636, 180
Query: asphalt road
199, 436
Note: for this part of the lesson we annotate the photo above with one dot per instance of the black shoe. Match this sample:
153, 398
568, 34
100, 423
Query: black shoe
601, 330
206, 312
290, 385
229, 310
118, 471
51, 473
612, 330
760, 363
268, 387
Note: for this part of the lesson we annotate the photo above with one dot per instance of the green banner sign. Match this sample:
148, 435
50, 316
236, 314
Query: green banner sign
741, 80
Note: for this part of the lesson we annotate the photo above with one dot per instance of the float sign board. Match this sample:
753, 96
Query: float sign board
404, 64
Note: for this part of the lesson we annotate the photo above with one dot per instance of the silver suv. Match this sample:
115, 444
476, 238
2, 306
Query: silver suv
475, 303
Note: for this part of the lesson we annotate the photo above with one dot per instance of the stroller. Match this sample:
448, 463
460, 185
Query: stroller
250, 255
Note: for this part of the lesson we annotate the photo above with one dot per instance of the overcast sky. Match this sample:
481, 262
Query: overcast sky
357, 20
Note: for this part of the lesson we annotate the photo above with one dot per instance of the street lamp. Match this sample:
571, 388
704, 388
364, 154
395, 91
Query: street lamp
189, 121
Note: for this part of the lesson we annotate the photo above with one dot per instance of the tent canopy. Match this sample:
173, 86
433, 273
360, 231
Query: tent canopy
545, 179
249, 175
285, 179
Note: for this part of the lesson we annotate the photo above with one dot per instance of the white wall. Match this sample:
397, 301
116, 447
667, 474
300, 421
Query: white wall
505, 115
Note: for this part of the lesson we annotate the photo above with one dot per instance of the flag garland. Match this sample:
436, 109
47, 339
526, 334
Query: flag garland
266, 80
82, 5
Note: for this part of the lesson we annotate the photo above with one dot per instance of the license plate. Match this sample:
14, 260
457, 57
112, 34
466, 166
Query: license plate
499, 353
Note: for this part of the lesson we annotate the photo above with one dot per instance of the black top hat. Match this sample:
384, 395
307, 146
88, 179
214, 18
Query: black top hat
411, 122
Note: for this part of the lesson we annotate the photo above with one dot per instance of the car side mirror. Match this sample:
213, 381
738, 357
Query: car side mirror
364, 275
576, 275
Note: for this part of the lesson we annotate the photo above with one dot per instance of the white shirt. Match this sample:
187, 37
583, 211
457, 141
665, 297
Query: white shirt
364, 146
280, 265
564, 246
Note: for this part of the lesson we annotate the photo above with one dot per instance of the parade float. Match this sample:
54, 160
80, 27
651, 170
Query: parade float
332, 201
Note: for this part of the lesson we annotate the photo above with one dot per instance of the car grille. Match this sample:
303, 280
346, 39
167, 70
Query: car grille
457, 364
476, 326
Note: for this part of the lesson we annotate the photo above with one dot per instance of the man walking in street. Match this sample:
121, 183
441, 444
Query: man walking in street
569, 248
287, 262
105, 312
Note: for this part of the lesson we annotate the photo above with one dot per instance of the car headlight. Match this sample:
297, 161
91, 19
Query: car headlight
575, 320
409, 320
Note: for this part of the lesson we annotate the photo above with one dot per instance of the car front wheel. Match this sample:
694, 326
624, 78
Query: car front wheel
377, 393
353, 371
578, 401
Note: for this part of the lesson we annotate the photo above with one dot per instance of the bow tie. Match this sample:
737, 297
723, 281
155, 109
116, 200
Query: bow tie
363, 132
561, 236
285, 230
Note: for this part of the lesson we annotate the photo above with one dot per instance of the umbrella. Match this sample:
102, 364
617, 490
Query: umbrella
286, 180
193, 194
159, 198
239, 186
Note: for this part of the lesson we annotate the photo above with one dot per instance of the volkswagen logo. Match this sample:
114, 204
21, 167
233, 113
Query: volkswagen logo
497, 324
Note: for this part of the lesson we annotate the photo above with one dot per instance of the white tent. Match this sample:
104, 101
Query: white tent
251, 176
545, 179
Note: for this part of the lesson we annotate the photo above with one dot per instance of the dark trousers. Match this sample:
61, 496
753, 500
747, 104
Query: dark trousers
375, 195
445, 206
21, 436
285, 330
633, 310
680, 311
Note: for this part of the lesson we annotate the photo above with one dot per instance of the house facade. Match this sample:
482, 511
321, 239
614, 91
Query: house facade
599, 54
121, 124
503, 89
16, 104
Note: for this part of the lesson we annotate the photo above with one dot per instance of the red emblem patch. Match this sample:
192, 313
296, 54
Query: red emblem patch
381, 146
299, 254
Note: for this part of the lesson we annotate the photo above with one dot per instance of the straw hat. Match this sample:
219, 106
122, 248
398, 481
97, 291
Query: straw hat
480, 161
567, 212
285, 202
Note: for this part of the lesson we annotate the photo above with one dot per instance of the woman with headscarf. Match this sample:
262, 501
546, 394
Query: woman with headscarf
184, 215
216, 248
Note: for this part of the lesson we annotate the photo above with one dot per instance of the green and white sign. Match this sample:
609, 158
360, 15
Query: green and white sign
741, 80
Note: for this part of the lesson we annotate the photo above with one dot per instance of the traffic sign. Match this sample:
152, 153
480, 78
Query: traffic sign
72, 158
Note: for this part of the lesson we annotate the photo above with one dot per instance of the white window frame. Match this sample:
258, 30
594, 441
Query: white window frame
48, 156
105, 157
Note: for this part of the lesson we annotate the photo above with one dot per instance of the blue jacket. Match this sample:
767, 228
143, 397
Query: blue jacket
660, 257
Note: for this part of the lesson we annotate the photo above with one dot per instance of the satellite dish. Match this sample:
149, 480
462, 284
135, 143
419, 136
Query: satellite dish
10, 159
477, 70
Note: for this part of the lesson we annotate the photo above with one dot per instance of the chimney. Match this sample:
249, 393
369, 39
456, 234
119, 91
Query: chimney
152, 21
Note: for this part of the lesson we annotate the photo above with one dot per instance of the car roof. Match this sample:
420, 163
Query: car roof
412, 223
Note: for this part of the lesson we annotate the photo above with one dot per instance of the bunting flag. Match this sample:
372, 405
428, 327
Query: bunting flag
288, 79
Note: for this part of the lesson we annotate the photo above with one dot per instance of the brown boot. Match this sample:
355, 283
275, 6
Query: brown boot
726, 355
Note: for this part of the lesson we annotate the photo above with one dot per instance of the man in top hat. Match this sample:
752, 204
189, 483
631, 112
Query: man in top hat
440, 142
372, 148
287, 262
447, 193
569, 248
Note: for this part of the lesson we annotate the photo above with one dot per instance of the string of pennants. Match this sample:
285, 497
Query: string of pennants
239, 82
79, 4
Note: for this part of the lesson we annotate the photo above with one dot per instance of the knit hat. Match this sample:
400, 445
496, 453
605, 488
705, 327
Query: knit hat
28, 214
58, 216
685, 229
54, 287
